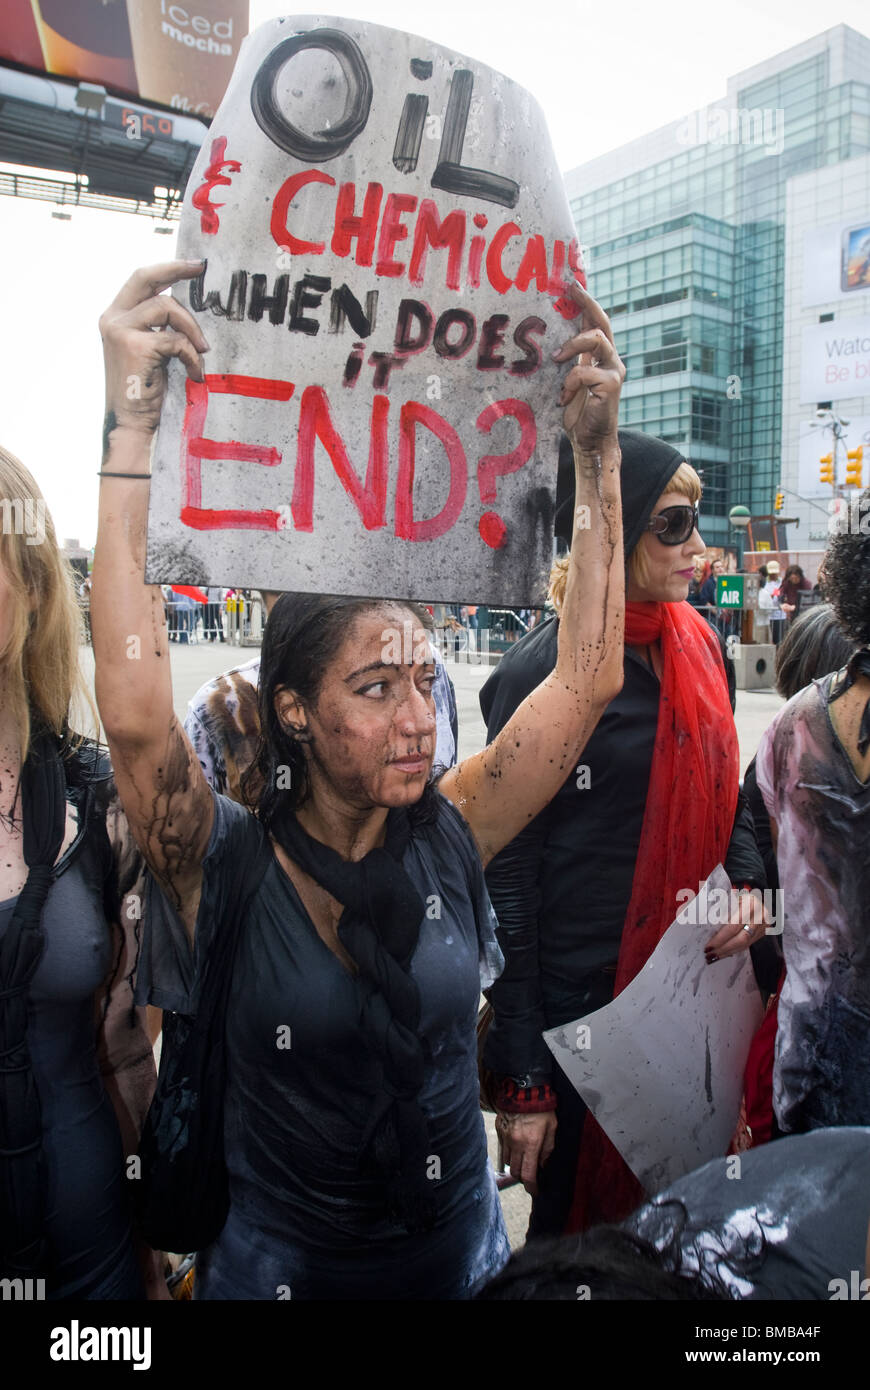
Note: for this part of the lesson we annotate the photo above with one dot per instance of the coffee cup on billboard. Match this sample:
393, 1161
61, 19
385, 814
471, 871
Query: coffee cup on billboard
87, 39
185, 54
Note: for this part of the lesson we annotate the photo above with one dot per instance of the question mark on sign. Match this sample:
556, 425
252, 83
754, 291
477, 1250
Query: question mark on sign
491, 467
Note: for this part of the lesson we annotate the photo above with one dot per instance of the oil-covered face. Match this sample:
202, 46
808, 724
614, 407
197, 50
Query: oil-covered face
370, 735
669, 568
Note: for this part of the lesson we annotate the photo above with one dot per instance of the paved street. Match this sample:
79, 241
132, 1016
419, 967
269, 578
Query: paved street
193, 665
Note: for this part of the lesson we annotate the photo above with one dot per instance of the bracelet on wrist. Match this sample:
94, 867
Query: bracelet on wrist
516, 1098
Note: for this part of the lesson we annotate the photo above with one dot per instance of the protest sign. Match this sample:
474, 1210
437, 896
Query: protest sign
388, 244
661, 1067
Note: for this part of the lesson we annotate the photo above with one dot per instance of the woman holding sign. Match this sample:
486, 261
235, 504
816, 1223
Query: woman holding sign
589, 888
353, 1137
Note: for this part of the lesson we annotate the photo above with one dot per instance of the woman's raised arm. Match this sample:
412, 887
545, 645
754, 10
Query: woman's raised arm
164, 794
501, 789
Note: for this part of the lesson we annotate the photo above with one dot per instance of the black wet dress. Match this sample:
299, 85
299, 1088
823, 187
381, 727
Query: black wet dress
306, 1219
87, 1220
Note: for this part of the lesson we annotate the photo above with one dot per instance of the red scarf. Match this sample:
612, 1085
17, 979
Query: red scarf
687, 824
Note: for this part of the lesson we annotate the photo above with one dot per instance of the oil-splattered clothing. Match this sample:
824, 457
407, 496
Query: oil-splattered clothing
92, 1062
223, 725
307, 1216
791, 1223
822, 810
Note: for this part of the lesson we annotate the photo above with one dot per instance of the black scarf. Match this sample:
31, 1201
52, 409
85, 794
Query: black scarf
380, 927
22, 1192
859, 665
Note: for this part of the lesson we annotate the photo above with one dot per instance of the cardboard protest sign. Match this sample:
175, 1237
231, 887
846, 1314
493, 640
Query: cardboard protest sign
388, 242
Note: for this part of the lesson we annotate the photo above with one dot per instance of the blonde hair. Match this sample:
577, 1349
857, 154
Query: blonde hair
558, 582
39, 662
687, 483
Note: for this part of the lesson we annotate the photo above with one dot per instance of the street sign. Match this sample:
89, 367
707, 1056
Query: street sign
729, 591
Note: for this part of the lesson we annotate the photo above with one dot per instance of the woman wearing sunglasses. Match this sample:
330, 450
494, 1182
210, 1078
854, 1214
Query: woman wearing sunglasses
585, 893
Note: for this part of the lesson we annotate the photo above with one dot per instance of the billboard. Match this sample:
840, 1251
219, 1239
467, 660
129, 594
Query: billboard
836, 261
388, 246
835, 360
179, 55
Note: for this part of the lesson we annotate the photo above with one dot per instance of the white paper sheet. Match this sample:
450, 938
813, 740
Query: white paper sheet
661, 1067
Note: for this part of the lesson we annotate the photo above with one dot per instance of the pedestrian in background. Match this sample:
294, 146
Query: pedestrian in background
701, 571
214, 628
793, 585
768, 602
761, 625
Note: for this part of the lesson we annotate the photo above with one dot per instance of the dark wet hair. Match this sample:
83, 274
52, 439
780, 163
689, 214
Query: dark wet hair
303, 634
847, 576
613, 1263
814, 645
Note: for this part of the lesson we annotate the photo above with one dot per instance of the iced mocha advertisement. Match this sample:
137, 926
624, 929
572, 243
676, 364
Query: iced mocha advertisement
388, 245
180, 55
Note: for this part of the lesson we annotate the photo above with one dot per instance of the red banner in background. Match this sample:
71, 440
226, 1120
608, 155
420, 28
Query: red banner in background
180, 55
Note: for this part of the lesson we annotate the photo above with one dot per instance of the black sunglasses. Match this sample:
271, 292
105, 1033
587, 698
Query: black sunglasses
674, 525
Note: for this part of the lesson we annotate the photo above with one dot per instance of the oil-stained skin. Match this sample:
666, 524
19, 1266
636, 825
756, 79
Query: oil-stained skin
109, 423
167, 800
170, 814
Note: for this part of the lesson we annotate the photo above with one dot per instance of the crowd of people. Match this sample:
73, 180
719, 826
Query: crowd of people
303, 893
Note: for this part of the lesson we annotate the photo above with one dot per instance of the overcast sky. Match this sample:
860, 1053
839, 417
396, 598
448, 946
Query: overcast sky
604, 74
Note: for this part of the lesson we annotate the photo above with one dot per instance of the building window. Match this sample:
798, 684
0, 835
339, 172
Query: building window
707, 419
714, 477
664, 360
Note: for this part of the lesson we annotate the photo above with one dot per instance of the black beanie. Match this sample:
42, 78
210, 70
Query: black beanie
647, 466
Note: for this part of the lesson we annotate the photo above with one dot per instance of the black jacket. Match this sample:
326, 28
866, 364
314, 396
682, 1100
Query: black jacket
562, 887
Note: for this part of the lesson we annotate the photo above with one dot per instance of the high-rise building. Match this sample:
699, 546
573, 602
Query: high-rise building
684, 234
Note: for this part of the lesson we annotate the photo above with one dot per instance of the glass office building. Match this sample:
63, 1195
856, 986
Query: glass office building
684, 240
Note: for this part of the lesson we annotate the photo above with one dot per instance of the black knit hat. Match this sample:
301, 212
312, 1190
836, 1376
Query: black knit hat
647, 466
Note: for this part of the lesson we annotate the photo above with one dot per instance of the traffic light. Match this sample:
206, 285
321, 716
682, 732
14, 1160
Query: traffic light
780, 502
826, 469
854, 459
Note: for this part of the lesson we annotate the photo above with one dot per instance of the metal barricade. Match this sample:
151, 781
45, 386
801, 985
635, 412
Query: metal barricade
246, 618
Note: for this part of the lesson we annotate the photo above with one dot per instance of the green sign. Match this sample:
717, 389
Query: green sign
729, 591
